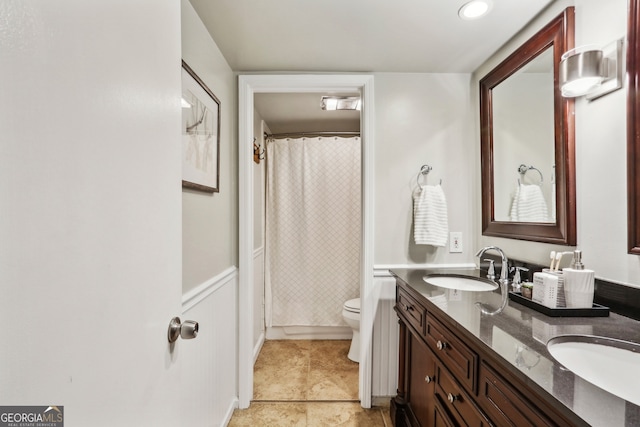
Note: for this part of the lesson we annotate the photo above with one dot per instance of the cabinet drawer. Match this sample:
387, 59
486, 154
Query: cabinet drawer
411, 310
504, 405
456, 401
461, 361
441, 418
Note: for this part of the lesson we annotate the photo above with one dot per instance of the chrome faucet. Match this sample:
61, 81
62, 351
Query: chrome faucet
504, 271
504, 281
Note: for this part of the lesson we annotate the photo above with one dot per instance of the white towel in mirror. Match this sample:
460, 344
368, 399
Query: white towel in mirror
529, 205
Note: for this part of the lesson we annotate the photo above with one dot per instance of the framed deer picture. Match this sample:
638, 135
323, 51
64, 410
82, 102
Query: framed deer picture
200, 134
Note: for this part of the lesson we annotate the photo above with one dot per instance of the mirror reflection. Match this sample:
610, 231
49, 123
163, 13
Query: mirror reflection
523, 144
527, 142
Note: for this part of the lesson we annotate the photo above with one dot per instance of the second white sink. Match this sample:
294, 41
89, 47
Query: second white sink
607, 363
463, 283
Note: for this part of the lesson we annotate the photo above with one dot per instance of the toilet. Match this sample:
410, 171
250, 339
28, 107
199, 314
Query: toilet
351, 315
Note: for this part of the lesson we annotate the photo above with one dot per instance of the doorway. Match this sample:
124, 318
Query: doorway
308, 183
250, 85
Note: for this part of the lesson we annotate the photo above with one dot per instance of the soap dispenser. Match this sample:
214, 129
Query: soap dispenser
517, 279
578, 283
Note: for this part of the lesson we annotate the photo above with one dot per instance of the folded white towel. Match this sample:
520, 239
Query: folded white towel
430, 223
529, 204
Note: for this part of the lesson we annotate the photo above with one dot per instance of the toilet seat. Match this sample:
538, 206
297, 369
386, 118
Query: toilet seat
353, 305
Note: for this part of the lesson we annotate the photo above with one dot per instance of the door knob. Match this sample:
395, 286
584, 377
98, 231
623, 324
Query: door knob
186, 330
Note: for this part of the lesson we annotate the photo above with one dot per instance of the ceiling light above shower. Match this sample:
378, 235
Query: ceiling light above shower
332, 103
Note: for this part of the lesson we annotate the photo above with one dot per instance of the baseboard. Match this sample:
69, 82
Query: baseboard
381, 401
258, 347
309, 333
229, 414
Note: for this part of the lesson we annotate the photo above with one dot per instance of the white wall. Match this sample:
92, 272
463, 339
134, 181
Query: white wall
422, 119
600, 155
419, 119
210, 221
210, 240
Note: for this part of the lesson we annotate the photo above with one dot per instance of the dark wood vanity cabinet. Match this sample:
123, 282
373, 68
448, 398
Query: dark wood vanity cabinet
445, 379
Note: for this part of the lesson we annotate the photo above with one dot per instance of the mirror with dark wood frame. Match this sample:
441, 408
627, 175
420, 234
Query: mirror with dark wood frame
633, 127
558, 37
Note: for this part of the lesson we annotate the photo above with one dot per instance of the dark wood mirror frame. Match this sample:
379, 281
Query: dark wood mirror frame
633, 127
559, 34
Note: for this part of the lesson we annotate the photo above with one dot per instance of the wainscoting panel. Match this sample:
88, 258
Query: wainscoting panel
385, 337
209, 362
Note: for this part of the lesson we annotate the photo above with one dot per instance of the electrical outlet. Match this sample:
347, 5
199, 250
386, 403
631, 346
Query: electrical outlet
455, 241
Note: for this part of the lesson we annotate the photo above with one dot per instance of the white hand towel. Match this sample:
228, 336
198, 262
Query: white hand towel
430, 223
529, 204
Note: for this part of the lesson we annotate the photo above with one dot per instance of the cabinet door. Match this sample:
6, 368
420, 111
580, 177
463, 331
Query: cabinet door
505, 405
422, 381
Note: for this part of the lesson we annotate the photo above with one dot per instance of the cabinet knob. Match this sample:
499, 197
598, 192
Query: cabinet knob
428, 379
451, 398
441, 345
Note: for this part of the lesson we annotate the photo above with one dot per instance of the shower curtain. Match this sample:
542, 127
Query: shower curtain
313, 229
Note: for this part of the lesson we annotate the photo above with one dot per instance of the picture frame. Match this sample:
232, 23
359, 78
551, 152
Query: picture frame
200, 134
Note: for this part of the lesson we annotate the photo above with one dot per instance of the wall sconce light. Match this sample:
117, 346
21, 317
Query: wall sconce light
591, 71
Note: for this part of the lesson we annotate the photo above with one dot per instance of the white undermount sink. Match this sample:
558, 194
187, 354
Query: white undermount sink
462, 283
608, 363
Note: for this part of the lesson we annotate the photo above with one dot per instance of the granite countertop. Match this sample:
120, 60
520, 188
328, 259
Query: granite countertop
519, 336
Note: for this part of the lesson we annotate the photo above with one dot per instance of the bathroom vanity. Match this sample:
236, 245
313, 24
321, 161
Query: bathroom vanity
459, 367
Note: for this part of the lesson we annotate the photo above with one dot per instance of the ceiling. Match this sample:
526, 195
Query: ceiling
422, 36
301, 112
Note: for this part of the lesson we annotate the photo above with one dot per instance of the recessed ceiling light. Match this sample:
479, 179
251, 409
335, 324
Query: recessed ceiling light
475, 9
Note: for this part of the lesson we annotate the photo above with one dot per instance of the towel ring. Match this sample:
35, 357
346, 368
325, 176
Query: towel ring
523, 169
424, 171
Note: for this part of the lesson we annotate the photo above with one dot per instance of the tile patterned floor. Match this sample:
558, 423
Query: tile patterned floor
307, 383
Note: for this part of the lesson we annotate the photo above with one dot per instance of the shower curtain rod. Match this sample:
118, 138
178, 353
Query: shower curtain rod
289, 135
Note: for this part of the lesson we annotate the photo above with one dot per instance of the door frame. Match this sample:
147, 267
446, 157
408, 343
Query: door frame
248, 86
